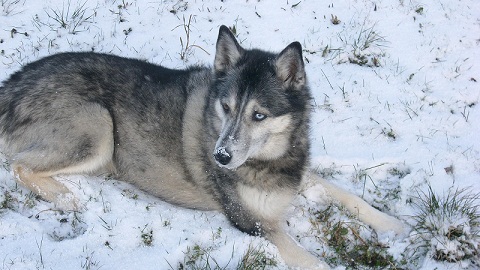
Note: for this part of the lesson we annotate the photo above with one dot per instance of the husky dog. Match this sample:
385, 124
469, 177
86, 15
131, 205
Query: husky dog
234, 139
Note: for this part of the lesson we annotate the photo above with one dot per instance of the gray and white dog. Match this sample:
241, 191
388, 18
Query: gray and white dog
233, 140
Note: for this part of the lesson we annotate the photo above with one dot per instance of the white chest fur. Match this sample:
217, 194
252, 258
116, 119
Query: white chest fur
267, 204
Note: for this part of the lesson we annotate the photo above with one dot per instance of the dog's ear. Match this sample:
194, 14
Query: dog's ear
228, 50
290, 66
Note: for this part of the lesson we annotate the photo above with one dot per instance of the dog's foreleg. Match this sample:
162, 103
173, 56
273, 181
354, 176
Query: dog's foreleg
262, 211
293, 254
377, 220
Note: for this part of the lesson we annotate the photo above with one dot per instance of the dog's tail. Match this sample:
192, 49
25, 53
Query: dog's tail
379, 221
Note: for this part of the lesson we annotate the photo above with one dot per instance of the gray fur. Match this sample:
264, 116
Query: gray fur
232, 139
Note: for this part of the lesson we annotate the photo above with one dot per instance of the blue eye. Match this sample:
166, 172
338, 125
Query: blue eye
226, 108
259, 116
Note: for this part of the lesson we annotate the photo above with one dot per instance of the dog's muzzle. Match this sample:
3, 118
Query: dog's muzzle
222, 156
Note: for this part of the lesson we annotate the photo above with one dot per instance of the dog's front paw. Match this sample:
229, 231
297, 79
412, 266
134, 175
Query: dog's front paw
322, 266
307, 262
386, 223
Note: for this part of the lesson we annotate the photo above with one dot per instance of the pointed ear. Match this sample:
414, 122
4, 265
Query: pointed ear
228, 50
290, 66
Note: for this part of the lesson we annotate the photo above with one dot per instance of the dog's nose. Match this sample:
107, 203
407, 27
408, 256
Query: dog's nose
222, 156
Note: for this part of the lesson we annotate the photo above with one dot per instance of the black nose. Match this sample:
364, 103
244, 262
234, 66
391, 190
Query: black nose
222, 156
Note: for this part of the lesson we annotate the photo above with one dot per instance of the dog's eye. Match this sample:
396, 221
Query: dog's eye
225, 107
259, 116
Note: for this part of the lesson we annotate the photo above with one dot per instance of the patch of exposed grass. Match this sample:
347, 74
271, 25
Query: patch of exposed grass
256, 258
6, 200
353, 244
362, 45
199, 257
146, 236
328, 172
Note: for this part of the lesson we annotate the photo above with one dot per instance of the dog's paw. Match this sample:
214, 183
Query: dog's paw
294, 255
322, 266
67, 202
397, 226
385, 223
310, 264
302, 259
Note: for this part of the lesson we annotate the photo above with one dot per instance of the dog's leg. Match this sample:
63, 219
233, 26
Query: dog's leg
265, 210
377, 220
46, 187
79, 141
293, 254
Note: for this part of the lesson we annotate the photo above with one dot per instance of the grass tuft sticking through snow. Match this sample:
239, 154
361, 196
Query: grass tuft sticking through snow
71, 20
255, 257
186, 45
447, 227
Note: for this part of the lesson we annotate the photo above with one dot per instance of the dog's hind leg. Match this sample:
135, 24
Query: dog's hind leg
78, 142
377, 220
46, 187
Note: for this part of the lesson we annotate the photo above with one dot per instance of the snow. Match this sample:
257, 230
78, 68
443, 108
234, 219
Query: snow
406, 118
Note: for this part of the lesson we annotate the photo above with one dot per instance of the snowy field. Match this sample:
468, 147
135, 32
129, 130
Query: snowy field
396, 120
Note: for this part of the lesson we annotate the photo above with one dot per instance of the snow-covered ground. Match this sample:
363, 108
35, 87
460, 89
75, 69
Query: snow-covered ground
396, 111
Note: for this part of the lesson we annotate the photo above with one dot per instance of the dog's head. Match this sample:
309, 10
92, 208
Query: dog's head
260, 99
